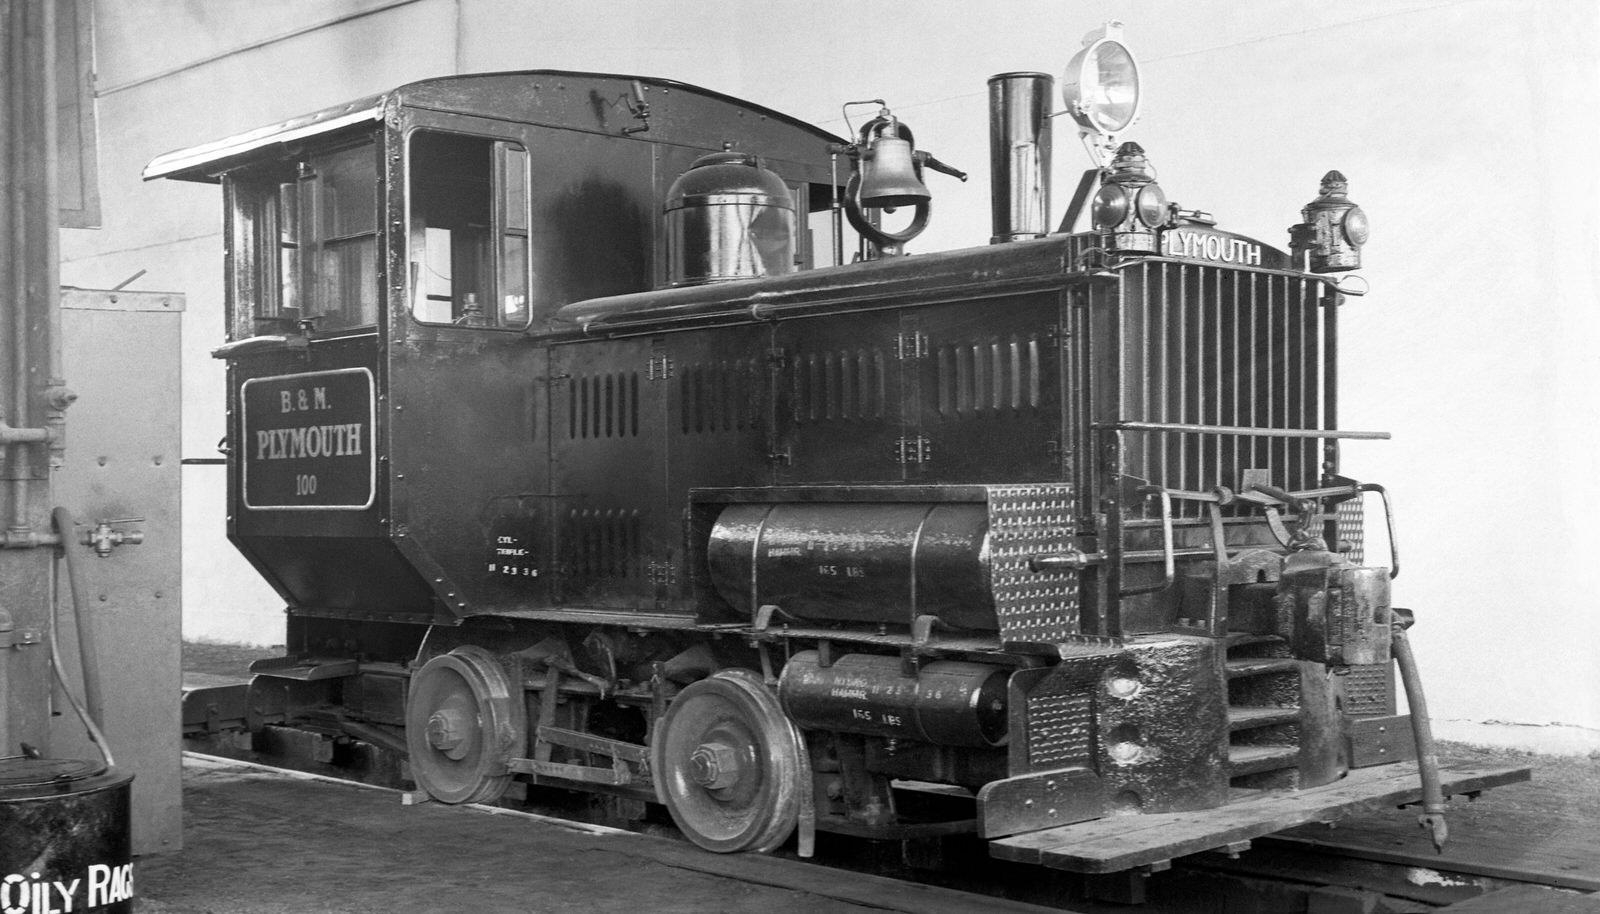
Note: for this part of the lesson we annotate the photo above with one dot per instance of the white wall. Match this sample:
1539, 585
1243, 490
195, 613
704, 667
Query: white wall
1468, 130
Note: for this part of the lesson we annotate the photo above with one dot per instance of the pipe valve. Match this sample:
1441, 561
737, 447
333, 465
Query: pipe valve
104, 537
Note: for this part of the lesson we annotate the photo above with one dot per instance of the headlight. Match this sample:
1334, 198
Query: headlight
1101, 85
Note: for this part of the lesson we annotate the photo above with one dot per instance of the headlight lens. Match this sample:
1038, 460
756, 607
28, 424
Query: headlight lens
1101, 87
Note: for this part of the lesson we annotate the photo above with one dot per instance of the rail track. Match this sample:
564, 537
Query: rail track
1535, 836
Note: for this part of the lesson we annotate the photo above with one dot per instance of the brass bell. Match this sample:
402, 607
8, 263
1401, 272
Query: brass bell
889, 174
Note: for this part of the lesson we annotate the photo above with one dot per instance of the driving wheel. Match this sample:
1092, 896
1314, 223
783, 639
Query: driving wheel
728, 764
463, 724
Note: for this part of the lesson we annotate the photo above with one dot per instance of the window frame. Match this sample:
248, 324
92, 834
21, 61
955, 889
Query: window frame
257, 288
491, 304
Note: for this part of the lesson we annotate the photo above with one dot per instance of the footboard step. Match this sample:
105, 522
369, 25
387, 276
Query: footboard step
1119, 843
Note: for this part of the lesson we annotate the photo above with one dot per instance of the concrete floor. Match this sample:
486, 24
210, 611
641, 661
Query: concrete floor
263, 842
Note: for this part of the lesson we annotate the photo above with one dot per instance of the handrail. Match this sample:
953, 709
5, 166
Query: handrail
1169, 558
1388, 517
1222, 495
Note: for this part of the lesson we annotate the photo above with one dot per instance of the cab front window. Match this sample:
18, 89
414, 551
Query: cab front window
306, 243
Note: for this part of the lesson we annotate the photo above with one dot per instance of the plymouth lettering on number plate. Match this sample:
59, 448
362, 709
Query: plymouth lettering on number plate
1215, 246
307, 441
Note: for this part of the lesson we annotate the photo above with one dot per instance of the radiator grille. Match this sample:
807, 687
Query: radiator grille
1213, 346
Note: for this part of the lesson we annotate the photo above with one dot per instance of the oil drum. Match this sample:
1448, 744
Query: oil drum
64, 837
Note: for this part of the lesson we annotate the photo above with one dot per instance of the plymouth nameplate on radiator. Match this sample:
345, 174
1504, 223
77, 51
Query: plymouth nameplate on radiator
307, 441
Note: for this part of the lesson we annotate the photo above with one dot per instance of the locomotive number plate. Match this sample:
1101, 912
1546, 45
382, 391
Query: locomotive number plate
307, 442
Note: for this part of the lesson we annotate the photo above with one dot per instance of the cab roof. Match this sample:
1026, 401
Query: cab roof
512, 95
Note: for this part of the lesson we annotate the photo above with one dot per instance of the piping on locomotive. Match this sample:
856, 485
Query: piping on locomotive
582, 458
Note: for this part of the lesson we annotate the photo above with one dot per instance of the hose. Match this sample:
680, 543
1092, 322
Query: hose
88, 651
1432, 817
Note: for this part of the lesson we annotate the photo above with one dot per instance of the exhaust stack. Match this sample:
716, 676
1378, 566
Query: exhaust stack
1019, 155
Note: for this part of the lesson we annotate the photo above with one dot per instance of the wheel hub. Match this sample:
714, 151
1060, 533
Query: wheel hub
447, 732
714, 765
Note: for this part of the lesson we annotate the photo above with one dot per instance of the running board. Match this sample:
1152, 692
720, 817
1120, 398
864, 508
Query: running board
1118, 843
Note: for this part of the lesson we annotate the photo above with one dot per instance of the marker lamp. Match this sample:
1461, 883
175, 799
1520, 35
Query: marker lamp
1152, 205
1355, 226
1110, 206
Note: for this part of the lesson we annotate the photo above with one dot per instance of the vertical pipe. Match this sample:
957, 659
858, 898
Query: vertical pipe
17, 81
1180, 397
1330, 379
1019, 155
1293, 362
1273, 379
1215, 363
836, 208
35, 239
1309, 397
1249, 357
30, 362
1234, 379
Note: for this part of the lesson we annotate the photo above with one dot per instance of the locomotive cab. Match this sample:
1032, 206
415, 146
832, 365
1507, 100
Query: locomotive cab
387, 262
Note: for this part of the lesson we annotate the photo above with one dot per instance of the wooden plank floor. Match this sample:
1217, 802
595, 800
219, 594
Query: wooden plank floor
1548, 833
1123, 842
1527, 899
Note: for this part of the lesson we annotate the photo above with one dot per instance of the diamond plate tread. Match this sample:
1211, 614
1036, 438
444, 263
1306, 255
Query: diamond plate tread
1060, 730
1118, 843
1368, 689
1025, 521
1350, 517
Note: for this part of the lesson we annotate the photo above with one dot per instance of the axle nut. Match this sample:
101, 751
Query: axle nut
714, 765
447, 732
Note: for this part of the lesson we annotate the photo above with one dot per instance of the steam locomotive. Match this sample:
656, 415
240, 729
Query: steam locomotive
584, 456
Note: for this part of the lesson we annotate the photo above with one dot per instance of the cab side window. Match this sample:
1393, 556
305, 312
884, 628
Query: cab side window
341, 192
468, 231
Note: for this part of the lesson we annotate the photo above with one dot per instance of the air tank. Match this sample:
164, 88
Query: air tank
871, 562
728, 218
946, 702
